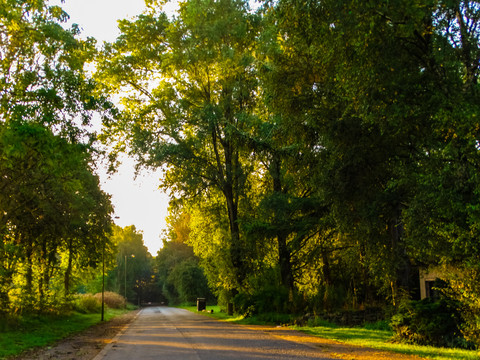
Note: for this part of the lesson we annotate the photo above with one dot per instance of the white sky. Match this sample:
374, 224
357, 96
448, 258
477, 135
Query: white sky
137, 201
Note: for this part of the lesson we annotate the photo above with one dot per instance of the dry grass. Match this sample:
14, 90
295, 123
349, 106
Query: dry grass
112, 300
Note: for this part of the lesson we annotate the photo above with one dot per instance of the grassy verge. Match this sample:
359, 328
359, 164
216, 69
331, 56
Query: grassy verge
377, 339
381, 339
266, 319
38, 331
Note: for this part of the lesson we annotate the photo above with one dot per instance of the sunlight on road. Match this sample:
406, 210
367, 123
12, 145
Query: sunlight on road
169, 333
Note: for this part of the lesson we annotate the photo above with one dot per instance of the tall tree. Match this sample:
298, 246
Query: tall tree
376, 88
51, 202
191, 84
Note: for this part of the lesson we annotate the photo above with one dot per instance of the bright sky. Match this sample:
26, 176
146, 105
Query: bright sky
137, 201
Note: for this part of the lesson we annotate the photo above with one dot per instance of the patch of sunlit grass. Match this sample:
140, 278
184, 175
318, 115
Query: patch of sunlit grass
381, 340
215, 312
262, 319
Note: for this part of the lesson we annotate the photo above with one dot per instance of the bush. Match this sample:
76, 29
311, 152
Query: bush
243, 305
269, 300
464, 286
429, 322
272, 299
87, 304
111, 299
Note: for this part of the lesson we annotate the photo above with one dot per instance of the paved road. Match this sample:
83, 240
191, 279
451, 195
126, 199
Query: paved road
168, 333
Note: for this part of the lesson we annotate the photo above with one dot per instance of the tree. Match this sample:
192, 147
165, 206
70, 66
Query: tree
43, 78
133, 270
375, 89
191, 90
180, 276
53, 214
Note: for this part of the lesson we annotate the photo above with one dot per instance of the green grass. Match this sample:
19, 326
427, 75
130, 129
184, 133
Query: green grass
381, 339
38, 331
367, 337
265, 319
217, 313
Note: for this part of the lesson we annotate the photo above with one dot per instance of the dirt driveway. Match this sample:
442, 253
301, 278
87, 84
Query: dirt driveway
88, 344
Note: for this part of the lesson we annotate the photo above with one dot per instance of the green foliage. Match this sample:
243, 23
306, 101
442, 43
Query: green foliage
54, 217
430, 322
268, 299
463, 287
130, 271
188, 110
179, 274
87, 304
189, 281
111, 299
42, 77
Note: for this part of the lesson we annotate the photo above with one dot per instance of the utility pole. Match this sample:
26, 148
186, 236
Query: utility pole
103, 282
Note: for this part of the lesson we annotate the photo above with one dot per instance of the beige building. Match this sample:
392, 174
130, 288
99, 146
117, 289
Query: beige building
427, 279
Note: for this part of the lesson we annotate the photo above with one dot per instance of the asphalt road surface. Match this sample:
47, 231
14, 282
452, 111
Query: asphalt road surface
168, 333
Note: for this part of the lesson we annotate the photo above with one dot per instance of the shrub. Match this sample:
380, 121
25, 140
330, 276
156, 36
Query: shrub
243, 305
271, 299
111, 299
87, 303
429, 322
464, 286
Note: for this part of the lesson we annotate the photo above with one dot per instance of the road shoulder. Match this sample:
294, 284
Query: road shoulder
82, 346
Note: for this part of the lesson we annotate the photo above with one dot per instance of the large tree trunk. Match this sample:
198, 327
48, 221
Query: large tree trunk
236, 248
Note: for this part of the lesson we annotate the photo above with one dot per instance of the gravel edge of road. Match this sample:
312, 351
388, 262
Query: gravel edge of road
109, 345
